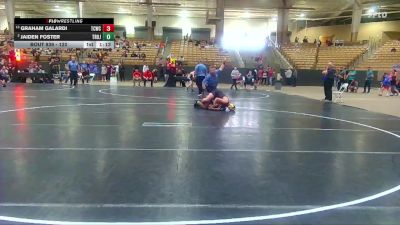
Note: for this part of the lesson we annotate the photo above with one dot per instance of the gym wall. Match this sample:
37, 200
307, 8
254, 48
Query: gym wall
343, 32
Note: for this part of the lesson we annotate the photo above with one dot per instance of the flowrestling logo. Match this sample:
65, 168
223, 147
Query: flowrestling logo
380, 15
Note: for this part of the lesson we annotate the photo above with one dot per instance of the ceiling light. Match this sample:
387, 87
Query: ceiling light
183, 14
302, 15
123, 10
246, 14
56, 6
274, 18
372, 10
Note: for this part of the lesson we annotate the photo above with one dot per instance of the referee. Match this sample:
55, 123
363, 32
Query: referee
200, 71
73, 67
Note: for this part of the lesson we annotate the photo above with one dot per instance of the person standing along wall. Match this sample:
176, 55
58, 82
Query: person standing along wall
329, 74
235, 75
288, 75
121, 72
294, 77
109, 70
270, 75
368, 80
103, 73
84, 69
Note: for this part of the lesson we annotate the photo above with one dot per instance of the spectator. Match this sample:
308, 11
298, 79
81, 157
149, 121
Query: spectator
84, 69
353, 87
3, 76
255, 79
368, 80
180, 61
109, 71
116, 71
235, 75
145, 68
264, 77
54, 67
249, 79
386, 83
148, 76
393, 84
180, 72
121, 72
343, 76
160, 68
260, 73
143, 56
329, 74
315, 41
305, 39
296, 40
270, 75
93, 70
103, 73
33, 52
155, 73
136, 76
294, 77
393, 50
288, 75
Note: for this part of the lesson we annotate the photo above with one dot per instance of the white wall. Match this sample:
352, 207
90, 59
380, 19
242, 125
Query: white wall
343, 32
232, 26
3, 20
247, 27
242, 26
129, 22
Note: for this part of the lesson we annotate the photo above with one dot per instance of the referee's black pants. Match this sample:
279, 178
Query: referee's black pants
199, 84
73, 77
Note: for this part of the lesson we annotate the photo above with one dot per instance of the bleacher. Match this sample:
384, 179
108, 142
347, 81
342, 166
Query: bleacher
342, 56
301, 56
150, 50
192, 53
383, 59
3, 40
115, 56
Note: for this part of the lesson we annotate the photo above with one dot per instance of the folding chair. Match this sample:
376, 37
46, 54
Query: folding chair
338, 95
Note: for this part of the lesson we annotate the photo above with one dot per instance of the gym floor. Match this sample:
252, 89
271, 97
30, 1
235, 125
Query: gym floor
106, 154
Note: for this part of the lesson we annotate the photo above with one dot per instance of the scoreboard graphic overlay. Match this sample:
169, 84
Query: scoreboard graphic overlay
64, 33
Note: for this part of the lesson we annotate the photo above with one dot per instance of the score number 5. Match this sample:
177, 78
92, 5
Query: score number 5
108, 27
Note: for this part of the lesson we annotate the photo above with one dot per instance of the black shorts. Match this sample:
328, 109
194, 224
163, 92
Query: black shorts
4, 78
217, 93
